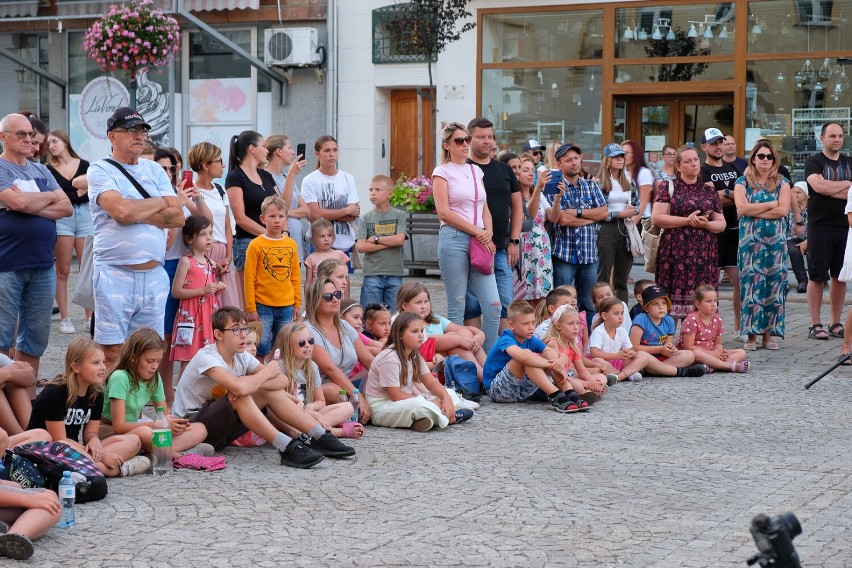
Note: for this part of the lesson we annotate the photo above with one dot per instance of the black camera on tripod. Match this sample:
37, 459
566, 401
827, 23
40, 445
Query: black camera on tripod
774, 540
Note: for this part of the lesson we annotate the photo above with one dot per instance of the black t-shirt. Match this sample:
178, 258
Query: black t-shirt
500, 183
66, 186
723, 177
253, 195
822, 209
51, 406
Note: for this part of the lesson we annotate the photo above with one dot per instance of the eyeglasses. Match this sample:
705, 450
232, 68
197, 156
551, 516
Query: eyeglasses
216, 161
329, 296
461, 140
770, 157
170, 169
303, 342
670, 154
240, 330
136, 131
22, 134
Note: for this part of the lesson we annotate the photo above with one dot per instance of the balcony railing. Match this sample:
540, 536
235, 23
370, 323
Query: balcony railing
394, 30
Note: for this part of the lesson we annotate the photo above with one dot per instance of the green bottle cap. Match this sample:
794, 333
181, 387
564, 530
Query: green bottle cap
341, 391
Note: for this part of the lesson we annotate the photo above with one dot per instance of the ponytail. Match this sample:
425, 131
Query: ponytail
239, 147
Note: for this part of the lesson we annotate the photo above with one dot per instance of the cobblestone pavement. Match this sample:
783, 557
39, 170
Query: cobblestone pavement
666, 472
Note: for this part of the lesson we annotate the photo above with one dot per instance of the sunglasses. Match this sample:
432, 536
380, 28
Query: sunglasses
461, 140
170, 169
303, 342
770, 157
329, 296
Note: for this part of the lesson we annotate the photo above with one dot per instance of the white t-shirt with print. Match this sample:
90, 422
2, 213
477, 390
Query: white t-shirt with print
196, 388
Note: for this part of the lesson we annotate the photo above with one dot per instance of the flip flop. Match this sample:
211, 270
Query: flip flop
350, 430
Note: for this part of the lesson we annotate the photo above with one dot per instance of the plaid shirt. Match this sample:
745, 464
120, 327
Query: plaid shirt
579, 245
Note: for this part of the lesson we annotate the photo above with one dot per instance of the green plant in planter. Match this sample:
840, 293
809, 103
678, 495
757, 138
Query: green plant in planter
413, 194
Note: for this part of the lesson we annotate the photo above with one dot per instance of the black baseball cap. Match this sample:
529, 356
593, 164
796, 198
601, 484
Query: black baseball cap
126, 117
565, 148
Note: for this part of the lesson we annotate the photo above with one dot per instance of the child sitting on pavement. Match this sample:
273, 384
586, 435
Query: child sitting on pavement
638, 288
653, 332
251, 389
518, 364
701, 333
562, 336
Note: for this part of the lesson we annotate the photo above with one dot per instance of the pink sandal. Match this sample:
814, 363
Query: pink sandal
740, 367
350, 430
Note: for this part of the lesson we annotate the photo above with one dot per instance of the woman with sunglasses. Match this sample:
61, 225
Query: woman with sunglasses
337, 347
762, 197
460, 202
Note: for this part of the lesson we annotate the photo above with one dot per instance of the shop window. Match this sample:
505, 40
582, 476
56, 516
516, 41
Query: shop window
800, 26
209, 58
789, 108
661, 73
543, 36
545, 104
675, 31
394, 27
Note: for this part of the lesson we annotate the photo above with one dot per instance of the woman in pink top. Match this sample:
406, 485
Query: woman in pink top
461, 206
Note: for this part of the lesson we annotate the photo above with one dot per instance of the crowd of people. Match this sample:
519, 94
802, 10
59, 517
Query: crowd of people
225, 282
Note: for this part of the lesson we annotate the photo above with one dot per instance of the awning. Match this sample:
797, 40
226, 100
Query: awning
18, 9
91, 7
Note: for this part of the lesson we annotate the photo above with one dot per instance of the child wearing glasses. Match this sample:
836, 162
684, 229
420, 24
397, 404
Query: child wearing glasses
252, 388
296, 345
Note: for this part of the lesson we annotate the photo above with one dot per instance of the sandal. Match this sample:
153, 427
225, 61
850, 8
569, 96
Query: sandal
350, 430
740, 367
751, 345
847, 362
590, 397
818, 332
833, 330
771, 345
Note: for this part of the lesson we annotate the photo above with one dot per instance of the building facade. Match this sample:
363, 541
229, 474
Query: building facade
598, 72
207, 93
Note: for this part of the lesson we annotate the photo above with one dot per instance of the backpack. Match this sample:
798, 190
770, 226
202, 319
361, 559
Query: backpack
21, 470
53, 458
461, 374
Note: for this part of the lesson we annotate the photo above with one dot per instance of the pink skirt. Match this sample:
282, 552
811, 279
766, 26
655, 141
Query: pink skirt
229, 296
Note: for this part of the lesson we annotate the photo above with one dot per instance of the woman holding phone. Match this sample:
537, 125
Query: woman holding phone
281, 155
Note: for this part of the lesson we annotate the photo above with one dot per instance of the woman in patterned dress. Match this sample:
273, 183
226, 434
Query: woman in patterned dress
534, 271
762, 197
690, 214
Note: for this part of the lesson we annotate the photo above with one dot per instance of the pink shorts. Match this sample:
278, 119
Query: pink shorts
617, 363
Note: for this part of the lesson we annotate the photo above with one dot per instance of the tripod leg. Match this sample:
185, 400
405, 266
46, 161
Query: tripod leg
833, 367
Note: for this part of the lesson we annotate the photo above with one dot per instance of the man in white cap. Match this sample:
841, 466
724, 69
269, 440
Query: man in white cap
533, 147
723, 176
797, 235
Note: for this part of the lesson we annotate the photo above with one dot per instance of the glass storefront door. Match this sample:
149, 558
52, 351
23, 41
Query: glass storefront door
656, 120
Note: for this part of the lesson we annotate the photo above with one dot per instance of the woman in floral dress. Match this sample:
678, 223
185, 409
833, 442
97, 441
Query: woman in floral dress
534, 271
762, 197
690, 213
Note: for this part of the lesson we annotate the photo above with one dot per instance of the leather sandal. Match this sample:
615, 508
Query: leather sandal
816, 331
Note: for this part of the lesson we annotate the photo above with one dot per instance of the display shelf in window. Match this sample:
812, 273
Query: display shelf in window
805, 131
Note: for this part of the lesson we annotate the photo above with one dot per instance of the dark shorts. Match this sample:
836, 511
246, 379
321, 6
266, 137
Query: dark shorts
222, 422
729, 244
826, 247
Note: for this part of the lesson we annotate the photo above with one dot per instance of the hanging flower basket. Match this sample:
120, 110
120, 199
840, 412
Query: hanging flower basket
132, 38
413, 194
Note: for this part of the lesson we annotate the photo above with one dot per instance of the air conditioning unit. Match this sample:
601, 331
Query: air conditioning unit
291, 47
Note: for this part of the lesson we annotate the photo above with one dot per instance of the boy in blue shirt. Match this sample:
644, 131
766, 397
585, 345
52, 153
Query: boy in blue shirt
518, 363
653, 331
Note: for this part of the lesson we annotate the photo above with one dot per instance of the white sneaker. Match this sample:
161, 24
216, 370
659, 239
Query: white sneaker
135, 466
65, 326
635, 377
465, 403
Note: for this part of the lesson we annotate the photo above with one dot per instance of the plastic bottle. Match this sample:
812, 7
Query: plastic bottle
341, 396
162, 444
355, 400
67, 493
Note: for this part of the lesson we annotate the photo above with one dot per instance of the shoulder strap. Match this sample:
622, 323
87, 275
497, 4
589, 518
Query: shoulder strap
220, 190
475, 197
135, 183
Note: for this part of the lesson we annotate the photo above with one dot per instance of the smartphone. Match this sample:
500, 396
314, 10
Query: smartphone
187, 177
300, 150
190, 414
552, 187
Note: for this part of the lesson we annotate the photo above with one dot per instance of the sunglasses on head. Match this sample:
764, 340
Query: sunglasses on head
762, 156
303, 342
329, 296
462, 140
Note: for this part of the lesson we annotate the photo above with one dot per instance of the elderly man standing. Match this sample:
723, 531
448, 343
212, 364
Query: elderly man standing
132, 201
30, 202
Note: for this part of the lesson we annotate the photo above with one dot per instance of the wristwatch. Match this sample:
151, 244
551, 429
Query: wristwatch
375, 239
514, 241
727, 193
579, 211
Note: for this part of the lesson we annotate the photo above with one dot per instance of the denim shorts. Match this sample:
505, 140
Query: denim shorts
239, 252
127, 300
380, 290
272, 319
78, 225
506, 387
26, 296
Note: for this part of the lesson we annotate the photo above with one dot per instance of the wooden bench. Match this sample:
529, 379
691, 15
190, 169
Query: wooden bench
421, 248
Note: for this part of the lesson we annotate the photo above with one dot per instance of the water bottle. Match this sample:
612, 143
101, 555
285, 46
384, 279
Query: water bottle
355, 400
67, 492
162, 442
341, 396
